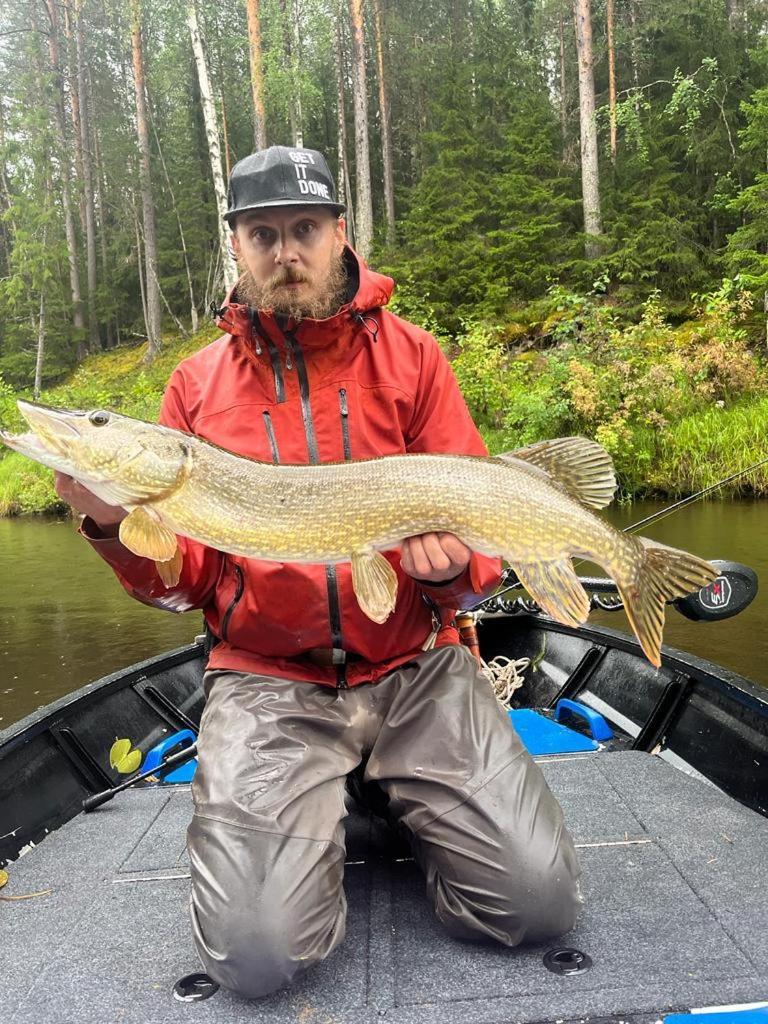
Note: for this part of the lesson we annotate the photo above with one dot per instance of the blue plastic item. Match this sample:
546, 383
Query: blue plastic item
597, 724
540, 735
154, 758
753, 1015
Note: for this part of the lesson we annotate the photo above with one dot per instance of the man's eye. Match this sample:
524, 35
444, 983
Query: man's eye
261, 235
306, 228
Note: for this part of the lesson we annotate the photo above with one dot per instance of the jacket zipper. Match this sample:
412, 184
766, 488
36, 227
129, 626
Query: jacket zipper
344, 408
259, 335
271, 436
239, 588
331, 581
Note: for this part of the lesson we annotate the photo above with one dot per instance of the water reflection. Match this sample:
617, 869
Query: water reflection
65, 621
736, 531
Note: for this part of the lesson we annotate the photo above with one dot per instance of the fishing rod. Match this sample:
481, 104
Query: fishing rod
172, 761
654, 517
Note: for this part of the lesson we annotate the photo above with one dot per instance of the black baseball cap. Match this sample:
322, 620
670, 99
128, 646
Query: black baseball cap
281, 176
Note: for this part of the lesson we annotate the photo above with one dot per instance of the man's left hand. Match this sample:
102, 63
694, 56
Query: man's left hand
434, 557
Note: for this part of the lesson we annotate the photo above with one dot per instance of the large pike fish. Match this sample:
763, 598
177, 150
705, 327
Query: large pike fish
529, 506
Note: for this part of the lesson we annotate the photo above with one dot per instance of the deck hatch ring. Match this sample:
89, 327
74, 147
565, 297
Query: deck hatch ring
567, 961
194, 987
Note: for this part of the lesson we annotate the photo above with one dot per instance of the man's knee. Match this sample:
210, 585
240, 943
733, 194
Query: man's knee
527, 903
264, 907
255, 951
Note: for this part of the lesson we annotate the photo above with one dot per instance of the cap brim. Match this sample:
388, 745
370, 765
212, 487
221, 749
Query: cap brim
337, 208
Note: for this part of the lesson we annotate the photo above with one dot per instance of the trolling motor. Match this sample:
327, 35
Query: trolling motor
729, 594
734, 589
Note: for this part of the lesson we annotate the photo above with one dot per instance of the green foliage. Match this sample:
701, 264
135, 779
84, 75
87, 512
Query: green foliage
627, 385
485, 228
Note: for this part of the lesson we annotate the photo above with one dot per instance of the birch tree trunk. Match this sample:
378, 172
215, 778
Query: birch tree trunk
151, 289
364, 219
225, 134
289, 24
94, 339
563, 118
609, 15
101, 215
78, 320
74, 106
344, 185
590, 179
212, 136
139, 262
257, 74
633, 55
386, 129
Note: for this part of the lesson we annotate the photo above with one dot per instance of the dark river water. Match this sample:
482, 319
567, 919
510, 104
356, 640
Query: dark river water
64, 620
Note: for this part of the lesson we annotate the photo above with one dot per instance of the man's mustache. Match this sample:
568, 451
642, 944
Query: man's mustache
286, 276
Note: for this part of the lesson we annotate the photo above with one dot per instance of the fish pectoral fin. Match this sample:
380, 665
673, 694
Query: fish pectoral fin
556, 588
144, 534
375, 584
583, 468
170, 571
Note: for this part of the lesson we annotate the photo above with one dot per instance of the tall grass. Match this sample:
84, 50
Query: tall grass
703, 448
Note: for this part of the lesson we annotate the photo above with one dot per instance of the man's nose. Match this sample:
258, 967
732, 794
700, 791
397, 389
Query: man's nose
285, 251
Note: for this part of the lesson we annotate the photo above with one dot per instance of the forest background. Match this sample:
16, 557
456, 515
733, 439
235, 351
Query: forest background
572, 196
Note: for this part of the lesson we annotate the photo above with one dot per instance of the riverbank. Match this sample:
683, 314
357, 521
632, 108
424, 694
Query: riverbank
679, 407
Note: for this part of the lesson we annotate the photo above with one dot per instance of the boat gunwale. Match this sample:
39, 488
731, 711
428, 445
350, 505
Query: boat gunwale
716, 677
32, 725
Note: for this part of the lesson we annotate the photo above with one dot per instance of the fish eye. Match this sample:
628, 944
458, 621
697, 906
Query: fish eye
98, 418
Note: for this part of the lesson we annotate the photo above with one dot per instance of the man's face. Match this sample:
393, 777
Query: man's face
290, 260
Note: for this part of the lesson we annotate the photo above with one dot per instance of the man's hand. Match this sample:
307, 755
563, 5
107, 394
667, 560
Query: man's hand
107, 517
434, 557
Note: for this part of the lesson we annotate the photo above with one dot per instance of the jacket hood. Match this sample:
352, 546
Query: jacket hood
373, 291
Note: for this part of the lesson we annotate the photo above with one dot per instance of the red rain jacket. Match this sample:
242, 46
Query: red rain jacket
361, 383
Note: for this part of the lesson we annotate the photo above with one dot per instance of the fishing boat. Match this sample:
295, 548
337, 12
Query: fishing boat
663, 779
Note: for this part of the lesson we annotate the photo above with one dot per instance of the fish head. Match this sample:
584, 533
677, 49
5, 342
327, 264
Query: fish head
124, 461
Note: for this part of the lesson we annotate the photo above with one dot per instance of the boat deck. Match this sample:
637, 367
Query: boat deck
675, 916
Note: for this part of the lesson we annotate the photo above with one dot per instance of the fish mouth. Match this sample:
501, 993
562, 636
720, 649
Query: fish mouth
55, 429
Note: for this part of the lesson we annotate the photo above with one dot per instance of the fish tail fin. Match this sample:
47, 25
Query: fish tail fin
659, 574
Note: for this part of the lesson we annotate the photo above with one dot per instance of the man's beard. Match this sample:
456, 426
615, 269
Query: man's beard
325, 296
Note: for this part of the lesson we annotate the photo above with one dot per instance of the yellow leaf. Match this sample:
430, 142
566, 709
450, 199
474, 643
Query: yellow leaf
118, 751
3, 878
129, 763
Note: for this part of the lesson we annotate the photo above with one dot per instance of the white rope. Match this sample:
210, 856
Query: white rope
505, 676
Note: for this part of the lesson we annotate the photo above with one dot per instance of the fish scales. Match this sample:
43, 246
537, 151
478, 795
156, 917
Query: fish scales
528, 506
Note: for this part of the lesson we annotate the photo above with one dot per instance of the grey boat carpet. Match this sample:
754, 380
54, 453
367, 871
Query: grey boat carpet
675, 916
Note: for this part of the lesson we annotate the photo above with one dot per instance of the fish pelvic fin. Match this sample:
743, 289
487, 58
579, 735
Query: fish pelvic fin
170, 571
556, 588
143, 534
659, 575
375, 584
583, 468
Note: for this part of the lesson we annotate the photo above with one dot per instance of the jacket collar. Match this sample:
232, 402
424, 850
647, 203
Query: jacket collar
373, 291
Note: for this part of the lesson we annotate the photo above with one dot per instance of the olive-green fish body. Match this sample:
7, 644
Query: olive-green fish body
529, 507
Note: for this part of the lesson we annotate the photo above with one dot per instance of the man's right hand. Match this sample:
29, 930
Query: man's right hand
106, 517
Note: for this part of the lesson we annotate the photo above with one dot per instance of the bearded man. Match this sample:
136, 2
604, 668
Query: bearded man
301, 687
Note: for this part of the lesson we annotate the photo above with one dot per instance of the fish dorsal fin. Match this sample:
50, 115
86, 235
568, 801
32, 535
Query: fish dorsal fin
582, 467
